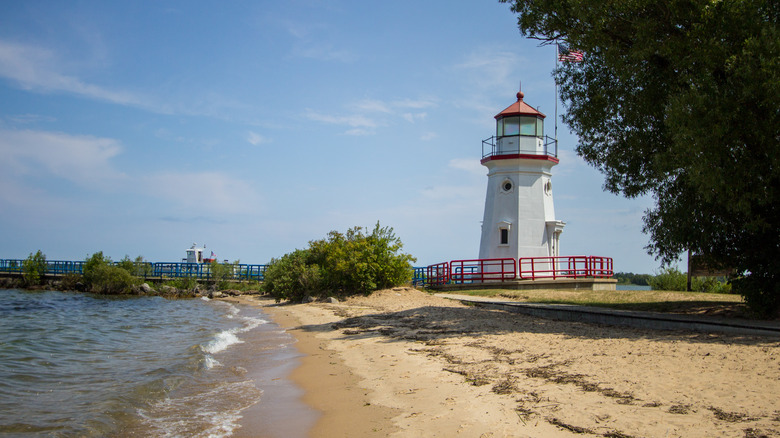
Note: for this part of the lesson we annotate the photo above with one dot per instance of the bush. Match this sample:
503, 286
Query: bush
33, 268
631, 278
183, 283
138, 267
673, 280
342, 264
71, 281
292, 276
761, 293
102, 276
222, 273
670, 279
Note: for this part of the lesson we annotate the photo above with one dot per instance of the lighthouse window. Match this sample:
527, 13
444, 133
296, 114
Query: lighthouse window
527, 125
504, 236
522, 125
511, 125
506, 186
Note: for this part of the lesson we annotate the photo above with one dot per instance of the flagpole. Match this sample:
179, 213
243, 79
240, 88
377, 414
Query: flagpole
557, 57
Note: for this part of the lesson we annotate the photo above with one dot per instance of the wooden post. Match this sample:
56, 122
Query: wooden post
690, 269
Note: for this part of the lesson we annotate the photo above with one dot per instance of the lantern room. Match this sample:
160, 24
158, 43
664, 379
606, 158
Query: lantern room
519, 131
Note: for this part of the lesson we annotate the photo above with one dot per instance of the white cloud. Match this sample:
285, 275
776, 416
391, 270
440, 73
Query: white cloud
429, 136
36, 68
41, 70
324, 52
201, 193
472, 166
368, 114
371, 105
415, 104
409, 117
359, 124
358, 131
491, 69
256, 139
85, 160
30, 118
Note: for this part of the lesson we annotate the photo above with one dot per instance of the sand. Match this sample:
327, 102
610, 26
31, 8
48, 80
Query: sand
404, 363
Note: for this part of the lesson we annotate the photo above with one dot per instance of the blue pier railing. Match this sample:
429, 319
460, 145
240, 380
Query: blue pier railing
146, 270
420, 276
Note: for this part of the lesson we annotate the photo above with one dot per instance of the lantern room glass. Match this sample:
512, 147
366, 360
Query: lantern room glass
527, 125
520, 125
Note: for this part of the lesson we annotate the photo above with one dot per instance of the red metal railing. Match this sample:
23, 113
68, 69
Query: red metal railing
528, 268
480, 270
438, 274
532, 268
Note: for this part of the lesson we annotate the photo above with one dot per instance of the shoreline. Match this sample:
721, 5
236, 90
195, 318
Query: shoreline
404, 363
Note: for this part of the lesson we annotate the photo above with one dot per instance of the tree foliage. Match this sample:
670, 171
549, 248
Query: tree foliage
100, 275
631, 278
221, 273
33, 268
679, 99
341, 264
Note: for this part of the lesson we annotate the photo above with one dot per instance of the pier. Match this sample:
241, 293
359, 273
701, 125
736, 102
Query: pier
146, 270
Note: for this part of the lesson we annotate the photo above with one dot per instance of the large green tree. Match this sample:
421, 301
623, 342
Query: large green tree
680, 99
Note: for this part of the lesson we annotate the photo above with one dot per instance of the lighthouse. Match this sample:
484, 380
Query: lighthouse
519, 219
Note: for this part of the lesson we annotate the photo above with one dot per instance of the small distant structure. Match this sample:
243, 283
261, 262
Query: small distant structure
195, 255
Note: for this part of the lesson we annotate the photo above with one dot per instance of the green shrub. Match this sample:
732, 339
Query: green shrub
183, 283
672, 279
292, 276
102, 276
70, 281
138, 267
761, 293
33, 268
222, 273
342, 264
631, 278
669, 279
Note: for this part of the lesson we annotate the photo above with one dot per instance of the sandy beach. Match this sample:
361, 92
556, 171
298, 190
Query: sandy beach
405, 363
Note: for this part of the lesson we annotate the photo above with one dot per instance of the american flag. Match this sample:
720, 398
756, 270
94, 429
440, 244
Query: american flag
566, 55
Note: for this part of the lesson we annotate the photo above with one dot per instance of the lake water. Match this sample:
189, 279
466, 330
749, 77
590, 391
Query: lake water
632, 287
82, 365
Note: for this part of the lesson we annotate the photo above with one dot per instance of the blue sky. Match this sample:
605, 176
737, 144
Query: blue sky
138, 128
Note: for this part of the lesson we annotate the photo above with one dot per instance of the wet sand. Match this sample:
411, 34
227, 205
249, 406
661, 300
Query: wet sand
407, 364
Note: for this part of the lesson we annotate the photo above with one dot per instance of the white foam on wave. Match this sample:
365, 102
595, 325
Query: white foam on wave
222, 341
209, 362
198, 415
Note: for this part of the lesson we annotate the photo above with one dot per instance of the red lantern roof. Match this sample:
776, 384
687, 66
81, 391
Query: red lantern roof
520, 108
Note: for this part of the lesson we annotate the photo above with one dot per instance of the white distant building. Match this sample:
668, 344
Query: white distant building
519, 218
196, 255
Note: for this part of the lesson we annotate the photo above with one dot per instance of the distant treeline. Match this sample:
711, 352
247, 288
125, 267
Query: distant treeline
673, 279
631, 278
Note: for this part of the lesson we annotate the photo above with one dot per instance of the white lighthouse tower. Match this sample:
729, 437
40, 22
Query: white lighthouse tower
519, 218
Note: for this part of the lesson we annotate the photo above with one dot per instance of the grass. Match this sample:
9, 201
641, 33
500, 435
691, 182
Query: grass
646, 300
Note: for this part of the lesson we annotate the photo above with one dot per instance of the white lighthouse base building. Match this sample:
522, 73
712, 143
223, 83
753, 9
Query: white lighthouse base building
519, 219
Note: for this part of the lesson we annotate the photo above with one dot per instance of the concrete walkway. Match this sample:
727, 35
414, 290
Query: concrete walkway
645, 320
